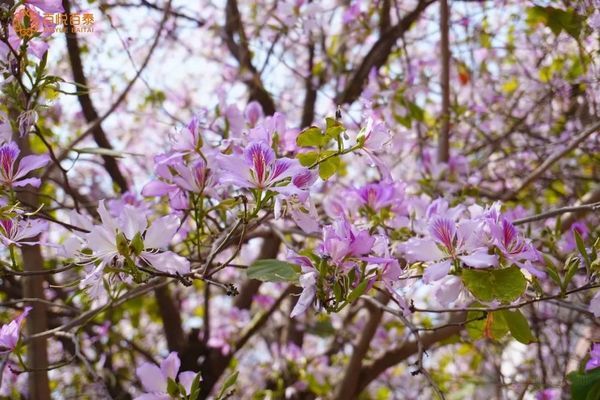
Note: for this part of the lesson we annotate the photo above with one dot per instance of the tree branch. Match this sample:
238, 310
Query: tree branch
379, 53
444, 139
240, 50
589, 130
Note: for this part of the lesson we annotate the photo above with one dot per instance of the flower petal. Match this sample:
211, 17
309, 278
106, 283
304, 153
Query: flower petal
170, 365
480, 259
152, 378
161, 232
436, 271
168, 262
29, 163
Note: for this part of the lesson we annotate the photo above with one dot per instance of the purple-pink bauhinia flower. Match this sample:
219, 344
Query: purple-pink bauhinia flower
595, 305
515, 249
594, 361
344, 244
446, 243
176, 179
13, 171
155, 380
15, 231
48, 6
308, 282
258, 168
548, 394
9, 333
102, 240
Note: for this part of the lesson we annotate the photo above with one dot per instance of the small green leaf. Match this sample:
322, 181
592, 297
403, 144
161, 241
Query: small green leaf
334, 128
358, 291
309, 158
229, 382
137, 244
271, 270
312, 137
552, 271
505, 285
581, 248
490, 326
195, 388
172, 388
102, 152
329, 167
572, 265
122, 244
518, 326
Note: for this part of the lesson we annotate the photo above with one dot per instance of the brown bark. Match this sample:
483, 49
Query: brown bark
379, 53
348, 386
444, 137
37, 321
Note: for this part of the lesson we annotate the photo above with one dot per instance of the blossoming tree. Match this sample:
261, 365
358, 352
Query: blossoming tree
295, 199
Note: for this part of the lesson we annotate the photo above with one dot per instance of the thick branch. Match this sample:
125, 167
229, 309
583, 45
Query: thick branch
87, 106
348, 385
240, 50
444, 138
588, 131
37, 321
393, 357
171, 319
379, 53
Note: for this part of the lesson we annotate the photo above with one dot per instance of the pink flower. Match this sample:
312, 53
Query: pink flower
177, 179
258, 168
5, 128
308, 282
9, 333
12, 172
153, 240
253, 113
569, 244
343, 244
373, 138
514, 247
595, 305
594, 361
48, 6
15, 231
548, 394
155, 380
448, 243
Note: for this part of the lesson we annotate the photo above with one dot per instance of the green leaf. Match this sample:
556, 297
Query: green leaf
312, 137
505, 285
358, 291
229, 382
329, 167
172, 388
572, 267
271, 270
557, 20
518, 326
491, 325
552, 271
334, 128
195, 388
581, 248
100, 151
137, 244
309, 158
584, 385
